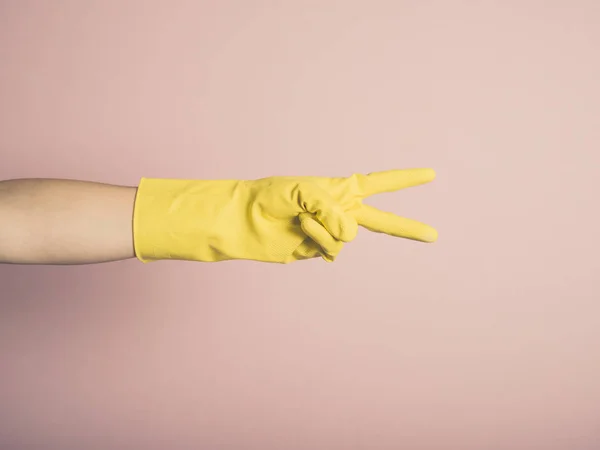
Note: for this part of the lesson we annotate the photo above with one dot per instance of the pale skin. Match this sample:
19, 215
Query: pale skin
51, 221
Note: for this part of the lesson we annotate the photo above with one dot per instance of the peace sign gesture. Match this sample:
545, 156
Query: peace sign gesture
351, 192
275, 219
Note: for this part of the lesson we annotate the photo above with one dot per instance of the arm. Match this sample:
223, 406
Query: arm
275, 219
48, 221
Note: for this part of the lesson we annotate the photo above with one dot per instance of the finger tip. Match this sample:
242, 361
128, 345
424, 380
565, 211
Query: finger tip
429, 174
426, 234
431, 236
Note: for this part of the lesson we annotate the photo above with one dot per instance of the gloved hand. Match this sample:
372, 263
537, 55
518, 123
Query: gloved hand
276, 219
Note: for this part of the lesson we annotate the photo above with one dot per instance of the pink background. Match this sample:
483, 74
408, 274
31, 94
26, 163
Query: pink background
489, 339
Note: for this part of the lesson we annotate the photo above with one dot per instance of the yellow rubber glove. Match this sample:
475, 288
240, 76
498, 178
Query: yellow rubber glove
276, 219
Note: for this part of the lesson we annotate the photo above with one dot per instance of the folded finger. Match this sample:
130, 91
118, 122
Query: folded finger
307, 249
336, 221
320, 235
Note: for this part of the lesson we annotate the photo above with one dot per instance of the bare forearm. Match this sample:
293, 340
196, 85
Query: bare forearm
49, 221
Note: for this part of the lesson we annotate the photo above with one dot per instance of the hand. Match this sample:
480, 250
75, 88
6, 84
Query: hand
276, 219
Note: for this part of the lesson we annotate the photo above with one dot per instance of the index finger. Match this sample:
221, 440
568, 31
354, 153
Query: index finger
393, 180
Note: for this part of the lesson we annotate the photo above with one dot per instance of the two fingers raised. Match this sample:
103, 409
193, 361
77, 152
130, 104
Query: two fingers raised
328, 225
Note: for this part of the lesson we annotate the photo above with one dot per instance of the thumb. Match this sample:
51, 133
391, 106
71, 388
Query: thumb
329, 246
